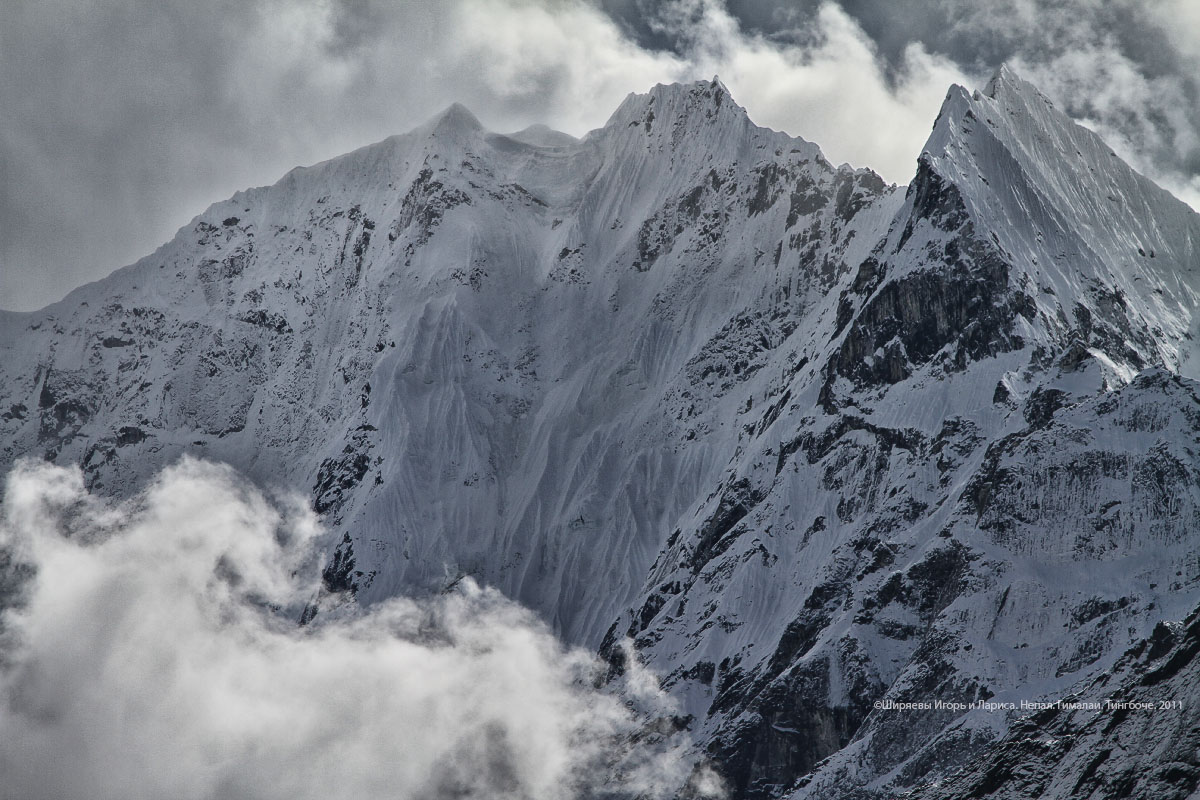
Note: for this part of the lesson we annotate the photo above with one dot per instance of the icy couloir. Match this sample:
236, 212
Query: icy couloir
810, 440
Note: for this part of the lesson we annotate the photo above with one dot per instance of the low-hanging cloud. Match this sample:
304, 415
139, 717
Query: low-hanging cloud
154, 653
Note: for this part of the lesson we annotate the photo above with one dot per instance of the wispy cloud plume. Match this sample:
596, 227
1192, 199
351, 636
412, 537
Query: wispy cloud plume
1125, 68
150, 657
829, 87
123, 119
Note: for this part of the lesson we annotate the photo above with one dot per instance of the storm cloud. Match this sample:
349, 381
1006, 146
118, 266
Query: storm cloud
124, 119
150, 650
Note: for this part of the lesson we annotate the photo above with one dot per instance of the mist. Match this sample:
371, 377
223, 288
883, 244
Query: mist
150, 649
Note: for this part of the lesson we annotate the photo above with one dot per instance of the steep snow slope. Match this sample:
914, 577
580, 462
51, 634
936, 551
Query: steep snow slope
810, 440
1140, 742
962, 495
477, 352
1073, 219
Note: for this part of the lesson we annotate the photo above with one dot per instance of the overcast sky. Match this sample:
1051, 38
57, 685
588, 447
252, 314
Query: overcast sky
121, 120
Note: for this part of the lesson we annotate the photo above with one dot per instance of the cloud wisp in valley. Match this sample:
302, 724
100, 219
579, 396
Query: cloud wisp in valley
151, 652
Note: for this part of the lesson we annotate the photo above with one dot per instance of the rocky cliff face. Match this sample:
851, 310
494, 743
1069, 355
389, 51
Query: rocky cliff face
979, 486
1133, 738
809, 440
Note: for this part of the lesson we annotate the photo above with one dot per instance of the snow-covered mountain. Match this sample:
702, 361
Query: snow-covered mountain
810, 440
1137, 744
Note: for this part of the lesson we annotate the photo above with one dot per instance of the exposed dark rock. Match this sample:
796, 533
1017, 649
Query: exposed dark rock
338, 575
15, 411
767, 189
270, 320
129, 435
1146, 745
424, 205
1042, 405
806, 198
736, 502
338, 475
911, 319
933, 199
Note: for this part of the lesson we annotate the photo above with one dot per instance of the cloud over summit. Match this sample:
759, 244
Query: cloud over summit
124, 119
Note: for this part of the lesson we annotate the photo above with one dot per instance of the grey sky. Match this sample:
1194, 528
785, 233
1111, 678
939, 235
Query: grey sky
121, 120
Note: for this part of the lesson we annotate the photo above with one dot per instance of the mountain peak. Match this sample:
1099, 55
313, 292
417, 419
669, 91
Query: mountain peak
699, 100
456, 118
1004, 75
713, 90
1067, 211
1006, 85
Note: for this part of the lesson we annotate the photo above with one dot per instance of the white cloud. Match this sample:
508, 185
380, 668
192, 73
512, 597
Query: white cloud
145, 662
1073, 51
567, 58
1180, 21
123, 120
1140, 117
833, 92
